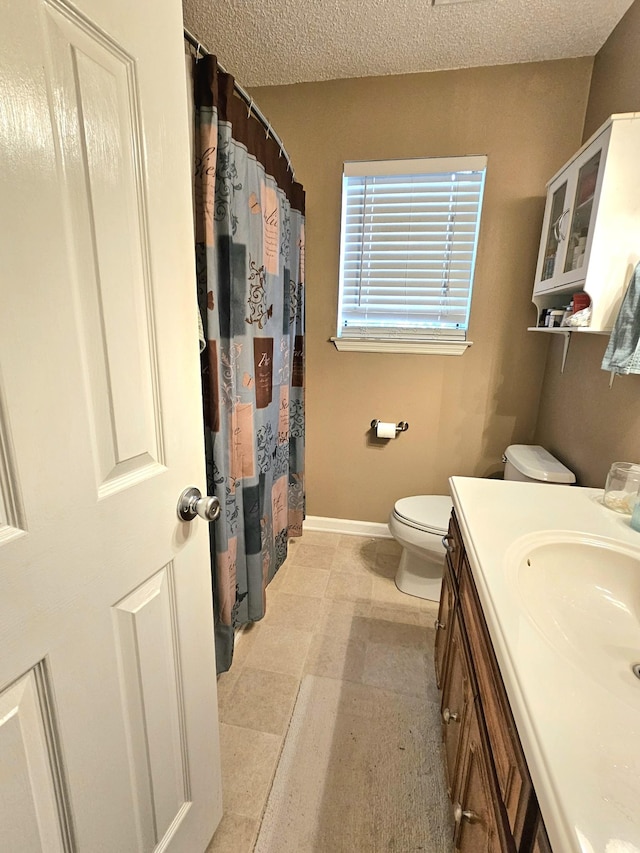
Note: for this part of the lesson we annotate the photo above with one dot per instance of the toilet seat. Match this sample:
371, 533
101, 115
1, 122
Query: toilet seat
429, 513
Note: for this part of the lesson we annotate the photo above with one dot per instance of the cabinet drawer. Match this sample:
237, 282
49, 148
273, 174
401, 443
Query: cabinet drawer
512, 775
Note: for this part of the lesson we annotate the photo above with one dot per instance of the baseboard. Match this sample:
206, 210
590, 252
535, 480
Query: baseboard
374, 529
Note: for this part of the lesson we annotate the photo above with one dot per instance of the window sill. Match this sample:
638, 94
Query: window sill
432, 347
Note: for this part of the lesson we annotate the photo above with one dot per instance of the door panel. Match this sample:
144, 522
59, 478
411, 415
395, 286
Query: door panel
153, 702
96, 112
32, 805
11, 512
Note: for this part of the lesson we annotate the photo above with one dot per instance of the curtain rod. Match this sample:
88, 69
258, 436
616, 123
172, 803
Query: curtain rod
200, 48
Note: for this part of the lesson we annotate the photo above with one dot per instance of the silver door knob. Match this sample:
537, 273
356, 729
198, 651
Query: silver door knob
191, 503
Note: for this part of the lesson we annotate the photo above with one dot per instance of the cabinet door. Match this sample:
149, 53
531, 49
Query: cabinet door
570, 213
457, 700
589, 179
442, 624
556, 212
475, 820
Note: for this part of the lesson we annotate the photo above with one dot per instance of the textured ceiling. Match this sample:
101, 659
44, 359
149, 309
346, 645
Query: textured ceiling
269, 42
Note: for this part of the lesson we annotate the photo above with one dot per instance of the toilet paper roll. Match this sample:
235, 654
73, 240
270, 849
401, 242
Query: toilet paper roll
385, 430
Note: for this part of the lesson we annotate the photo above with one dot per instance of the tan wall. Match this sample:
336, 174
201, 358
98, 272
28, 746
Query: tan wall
581, 420
615, 85
462, 411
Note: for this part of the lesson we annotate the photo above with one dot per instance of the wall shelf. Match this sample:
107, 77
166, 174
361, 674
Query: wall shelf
566, 332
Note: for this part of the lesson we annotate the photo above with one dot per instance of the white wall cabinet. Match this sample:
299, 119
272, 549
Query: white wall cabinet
591, 227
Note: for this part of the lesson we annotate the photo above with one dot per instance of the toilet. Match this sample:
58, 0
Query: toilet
418, 523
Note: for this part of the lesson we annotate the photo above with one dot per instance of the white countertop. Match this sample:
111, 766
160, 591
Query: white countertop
581, 740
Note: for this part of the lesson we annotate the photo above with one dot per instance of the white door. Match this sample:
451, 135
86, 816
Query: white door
108, 720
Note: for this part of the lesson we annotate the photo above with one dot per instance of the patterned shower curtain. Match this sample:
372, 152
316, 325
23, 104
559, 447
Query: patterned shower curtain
250, 264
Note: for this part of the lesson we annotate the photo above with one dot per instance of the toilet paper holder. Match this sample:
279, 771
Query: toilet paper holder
402, 426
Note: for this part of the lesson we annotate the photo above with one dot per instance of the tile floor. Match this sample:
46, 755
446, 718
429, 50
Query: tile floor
332, 610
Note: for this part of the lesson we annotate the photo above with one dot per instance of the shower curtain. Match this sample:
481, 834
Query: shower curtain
250, 267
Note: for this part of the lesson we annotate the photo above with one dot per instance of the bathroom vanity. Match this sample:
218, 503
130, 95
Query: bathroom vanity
536, 636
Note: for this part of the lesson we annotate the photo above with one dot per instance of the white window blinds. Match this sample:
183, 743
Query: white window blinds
408, 247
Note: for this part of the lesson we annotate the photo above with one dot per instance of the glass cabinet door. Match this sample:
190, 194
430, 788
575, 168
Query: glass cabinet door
582, 210
558, 212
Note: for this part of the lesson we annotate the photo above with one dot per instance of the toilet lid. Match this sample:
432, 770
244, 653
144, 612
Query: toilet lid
426, 512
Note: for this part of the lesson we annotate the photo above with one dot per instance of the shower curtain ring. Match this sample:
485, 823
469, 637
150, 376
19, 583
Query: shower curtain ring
198, 52
250, 108
268, 128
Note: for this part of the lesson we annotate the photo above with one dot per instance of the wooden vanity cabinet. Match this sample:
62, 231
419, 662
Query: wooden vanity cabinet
495, 808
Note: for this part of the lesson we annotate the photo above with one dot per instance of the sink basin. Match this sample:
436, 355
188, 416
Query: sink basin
583, 594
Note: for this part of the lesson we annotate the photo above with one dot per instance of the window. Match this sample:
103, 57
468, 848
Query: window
409, 237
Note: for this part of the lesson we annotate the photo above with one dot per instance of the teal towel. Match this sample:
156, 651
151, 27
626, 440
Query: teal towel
623, 352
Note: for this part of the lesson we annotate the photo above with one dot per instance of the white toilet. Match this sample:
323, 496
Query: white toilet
418, 523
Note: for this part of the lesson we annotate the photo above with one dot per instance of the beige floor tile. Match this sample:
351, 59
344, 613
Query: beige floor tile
344, 619
292, 611
399, 634
389, 546
386, 565
314, 556
349, 587
244, 640
430, 638
225, 683
432, 693
292, 545
354, 561
362, 772
385, 592
431, 608
280, 650
261, 700
333, 610
280, 576
333, 657
320, 537
396, 668
404, 615
304, 580
235, 834
351, 543
248, 762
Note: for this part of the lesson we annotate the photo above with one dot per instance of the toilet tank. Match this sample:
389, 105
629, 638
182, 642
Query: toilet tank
533, 464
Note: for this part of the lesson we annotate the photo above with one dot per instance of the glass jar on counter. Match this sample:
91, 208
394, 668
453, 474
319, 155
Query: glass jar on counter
621, 489
635, 518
